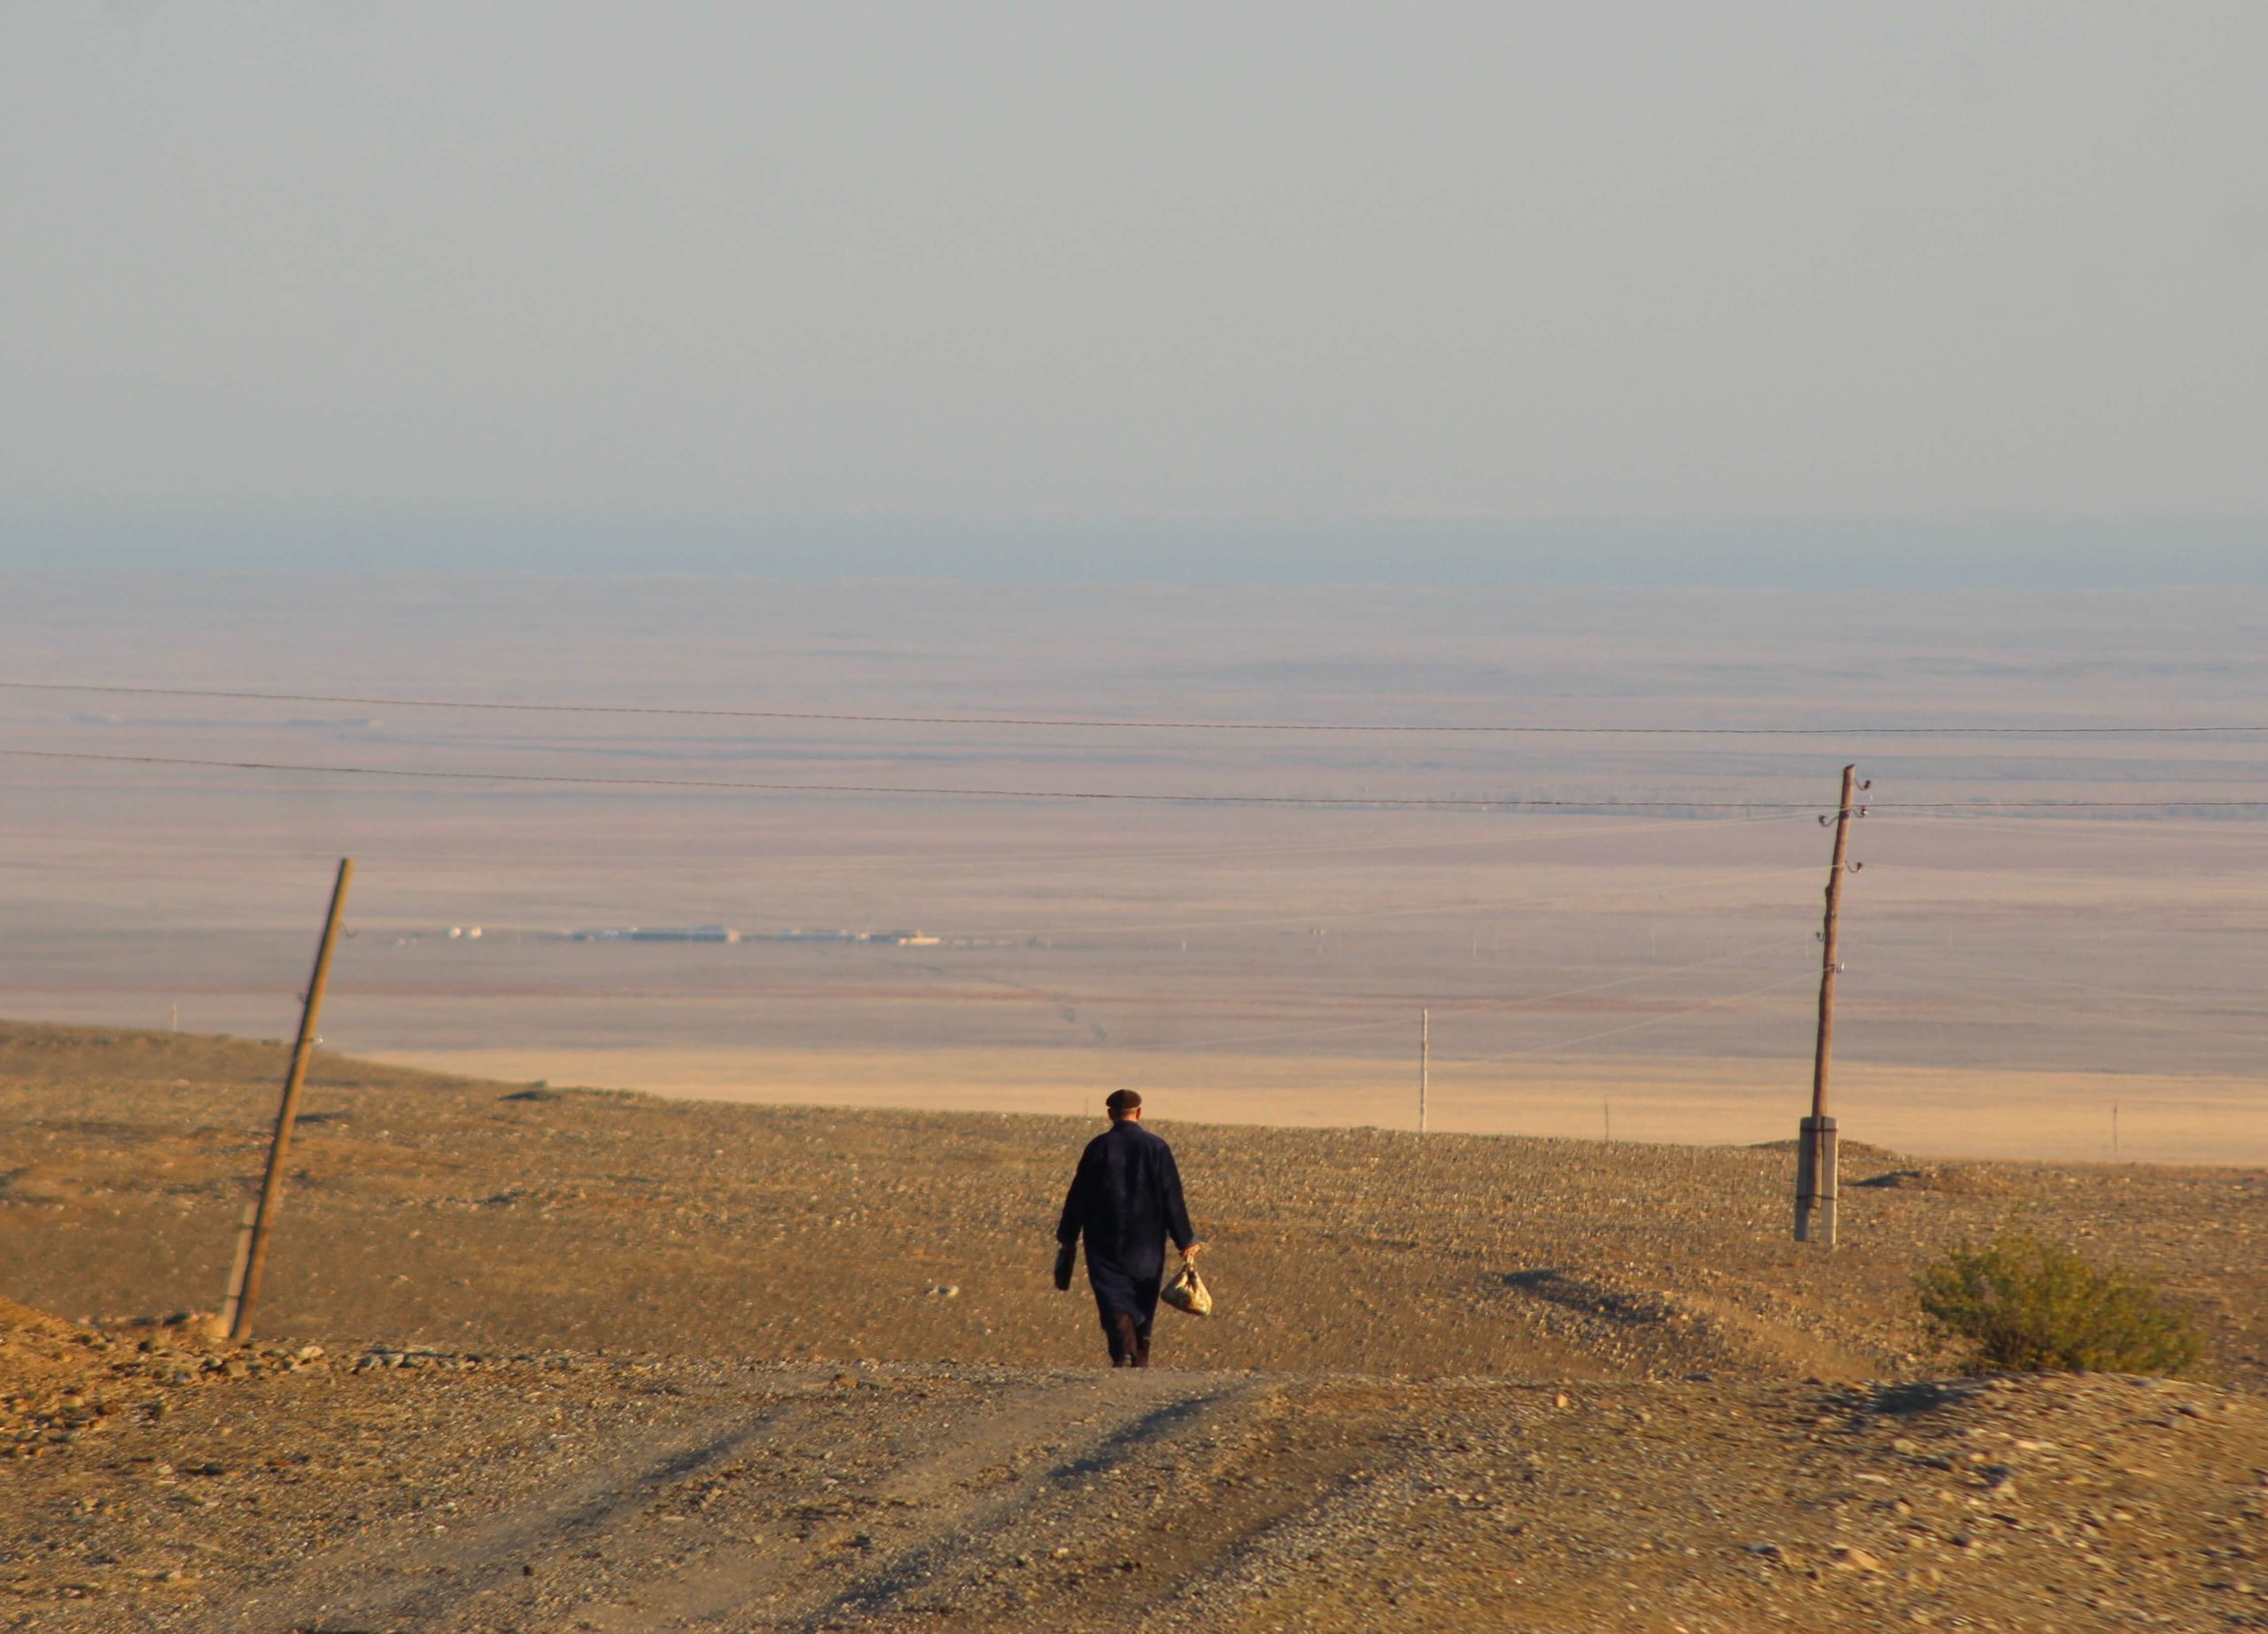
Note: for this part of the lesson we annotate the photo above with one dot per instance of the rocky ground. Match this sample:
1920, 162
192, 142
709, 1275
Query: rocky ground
574, 1360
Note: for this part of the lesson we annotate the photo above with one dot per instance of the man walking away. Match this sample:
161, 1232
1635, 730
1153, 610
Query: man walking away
1126, 1200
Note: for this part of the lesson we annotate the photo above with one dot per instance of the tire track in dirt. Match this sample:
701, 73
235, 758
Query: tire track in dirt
960, 1536
941, 1479
1160, 1511
413, 1576
958, 1493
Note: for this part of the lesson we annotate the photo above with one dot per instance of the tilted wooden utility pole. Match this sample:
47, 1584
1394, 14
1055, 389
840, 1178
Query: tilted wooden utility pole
252, 1250
1817, 1159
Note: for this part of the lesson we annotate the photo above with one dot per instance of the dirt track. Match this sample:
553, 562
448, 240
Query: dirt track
417, 1492
834, 1389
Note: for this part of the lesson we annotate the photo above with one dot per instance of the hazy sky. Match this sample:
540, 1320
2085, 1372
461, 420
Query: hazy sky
1709, 262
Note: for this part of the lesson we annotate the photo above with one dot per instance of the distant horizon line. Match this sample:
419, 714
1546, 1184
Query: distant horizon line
1413, 552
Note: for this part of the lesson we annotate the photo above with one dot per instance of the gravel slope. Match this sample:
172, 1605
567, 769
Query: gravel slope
422, 1491
588, 1361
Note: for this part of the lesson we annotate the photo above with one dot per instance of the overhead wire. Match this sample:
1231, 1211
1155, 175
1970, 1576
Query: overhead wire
1470, 1007
2032, 828
1651, 1021
1371, 801
1597, 805
2174, 805
805, 865
1103, 723
2054, 981
1423, 910
2064, 1012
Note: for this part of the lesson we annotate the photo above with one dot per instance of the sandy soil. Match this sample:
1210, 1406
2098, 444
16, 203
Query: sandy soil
1941, 1111
611, 1362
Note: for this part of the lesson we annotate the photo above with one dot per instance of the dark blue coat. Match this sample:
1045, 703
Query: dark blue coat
1126, 1200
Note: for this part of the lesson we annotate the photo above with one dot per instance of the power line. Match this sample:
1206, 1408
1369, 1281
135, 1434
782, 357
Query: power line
585, 781
2003, 972
805, 865
1651, 1021
1603, 805
2188, 1025
1424, 910
1469, 1007
2057, 806
760, 862
1950, 820
1084, 723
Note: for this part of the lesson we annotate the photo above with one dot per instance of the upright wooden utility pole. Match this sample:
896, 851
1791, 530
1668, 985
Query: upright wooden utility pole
1817, 1159
251, 1254
1424, 1063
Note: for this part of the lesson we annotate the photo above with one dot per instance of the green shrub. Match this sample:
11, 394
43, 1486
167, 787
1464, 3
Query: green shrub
2027, 1306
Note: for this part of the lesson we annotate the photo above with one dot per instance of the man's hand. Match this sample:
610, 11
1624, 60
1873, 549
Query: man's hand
1193, 1251
1064, 1257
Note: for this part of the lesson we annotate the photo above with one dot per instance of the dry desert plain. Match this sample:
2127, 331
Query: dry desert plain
2023, 981
536, 1359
